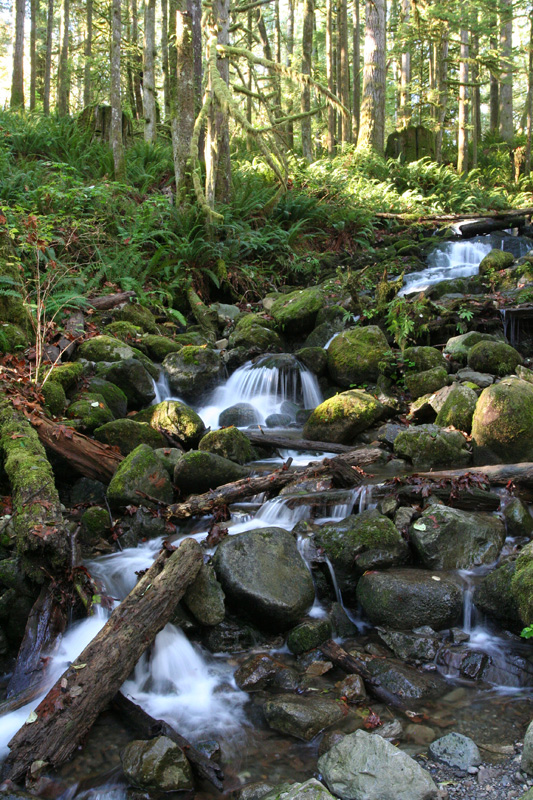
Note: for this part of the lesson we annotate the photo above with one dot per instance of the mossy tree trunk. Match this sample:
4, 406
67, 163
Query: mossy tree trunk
63, 71
307, 55
462, 133
88, 52
372, 133
182, 94
17, 78
149, 102
117, 143
506, 70
217, 155
48, 57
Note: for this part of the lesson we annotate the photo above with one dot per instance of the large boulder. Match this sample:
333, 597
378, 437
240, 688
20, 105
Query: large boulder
494, 596
404, 681
354, 356
114, 397
229, 443
496, 358
447, 538
366, 767
198, 471
264, 576
420, 359
133, 378
295, 313
522, 584
429, 446
177, 420
193, 371
158, 347
104, 348
403, 599
495, 261
427, 382
340, 418
502, 425
357, 543
142, 470
158, 765
302, 717
255, 334
458, 347
241, 415
204, 597
458, 408
126, 434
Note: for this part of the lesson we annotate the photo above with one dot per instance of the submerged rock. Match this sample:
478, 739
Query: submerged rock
302, 717
403, 599
265, 577
157, 764
342, 417
369, 767
354, 356
502, 425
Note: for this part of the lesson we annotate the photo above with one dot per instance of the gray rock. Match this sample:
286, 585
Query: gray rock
302, 717
406, 682
447, 538
193, 371
132, 377
241, 415
198, 471
264, 575
366, 767
429, 446
456, 750
527, 753
310, 790
157, 764
418, 647
518, 520
481, 379
403, 599
204, 597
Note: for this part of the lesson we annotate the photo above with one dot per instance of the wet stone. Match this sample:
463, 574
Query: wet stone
302, 717
456, 750
411, 646
257, 672
308, 634
157, 764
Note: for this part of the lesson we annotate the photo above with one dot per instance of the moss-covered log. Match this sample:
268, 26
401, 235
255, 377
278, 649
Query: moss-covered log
72, 705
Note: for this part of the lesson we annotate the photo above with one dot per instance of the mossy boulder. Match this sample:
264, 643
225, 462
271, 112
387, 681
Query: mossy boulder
368, 540
90, 411
308, 634
205, 598
265, 577
458, 347
104, 348
12, 338
67, 374
448, 538
354, 356
496, 358
193, 371
458, 408
169, 457
420, 359
114, 397
126, 434
176, 420
428, 446
495, 261
125, 331
340, 418
151, 368
143, 470
314, 358
95, 524
228, 442
255, 333
502, 425
522, 584
138, 315
302, 717
197, 472
295, 313
157, 765
12, 306
159, 347
241, 415
55, 398
493, 596
403, 599
132, 379
518, 520
427, 382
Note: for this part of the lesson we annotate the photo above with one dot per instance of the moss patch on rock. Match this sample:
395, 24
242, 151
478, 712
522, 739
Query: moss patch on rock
458, 408
138, 315
342, 417
354, 356
421, 383
295, 313
91, 411
429, 446
126, 434
198, 471
177, 420
158, 347
54, 397
502, 425
143, 470
104, 348
230, 443
496, 358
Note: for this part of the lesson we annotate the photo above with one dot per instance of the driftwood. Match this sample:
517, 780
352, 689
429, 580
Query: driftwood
339, 468
468, 499
64, 717
500, 474
146, 727
357, 666
107, 301
270, 439
87, 456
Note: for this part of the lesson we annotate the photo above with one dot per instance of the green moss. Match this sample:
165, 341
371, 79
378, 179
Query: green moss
458, 347
54, 397
229, 443
91, 411
139, 316
12, 338
126, 434
296, 312
158, 347
340, 418
114, 397
522, 584
104, 348
458, 408
497, 358
123, 330
147, 363
191, 337
494, 261
12, 308
354, 356
142, 470
430, 446
175, 419
422, 383
344, 540
308, 635
502, 425
420, 359
95, 524
67, 374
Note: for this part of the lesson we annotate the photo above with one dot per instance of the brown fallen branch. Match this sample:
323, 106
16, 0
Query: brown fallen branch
201, 504
87, 456
500, 474
146, 727
357, 666
472, 499
269, 439
62, 720
107, 301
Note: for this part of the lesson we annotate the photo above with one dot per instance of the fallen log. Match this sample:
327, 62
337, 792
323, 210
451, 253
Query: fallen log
514, 212
481, 226
107, 301
62, 720
146, 727
90, 458
268, 439
202, 504
464, 499
500, 474
357, 666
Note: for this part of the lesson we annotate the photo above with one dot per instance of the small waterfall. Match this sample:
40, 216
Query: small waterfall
265, 384
468, 602
448, 261
162, 389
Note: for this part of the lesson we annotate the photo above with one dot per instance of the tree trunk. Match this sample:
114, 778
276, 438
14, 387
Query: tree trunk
462, 133
405, 68
307, 55
182, 106
149, 53
330, 55
529, 108
194, 9
88, 51
372, 133
356, 103
442, 88
34, 11
70, 708
494, 98
217, 155
268, 439
136, 60
48, 57
17, 78
164, 57
500, 474
63, 76
290, 54
506, 70
476, 95
344, 76
117, 143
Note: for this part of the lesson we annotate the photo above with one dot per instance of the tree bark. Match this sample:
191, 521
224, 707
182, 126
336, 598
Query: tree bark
494, 97
63, 76
269, 439
182, 93
17, 78
70, 708
499, 474
149, 53
344, 76
290, 54
441, 69
48, 58
506, 70
117, 143
307, 55
330, 55
164, 57
107, 301
372, 133
462, 133
529, 104
34, 11
356, 59
88, 52
405, 68
136, 60
217, 155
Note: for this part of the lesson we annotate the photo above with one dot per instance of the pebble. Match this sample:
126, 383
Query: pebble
499, 781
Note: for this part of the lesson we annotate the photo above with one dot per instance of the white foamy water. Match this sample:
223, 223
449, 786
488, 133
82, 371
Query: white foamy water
448, 261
